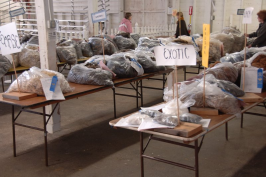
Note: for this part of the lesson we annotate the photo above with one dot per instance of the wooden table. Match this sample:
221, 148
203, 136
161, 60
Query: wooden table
80, 90
216, 121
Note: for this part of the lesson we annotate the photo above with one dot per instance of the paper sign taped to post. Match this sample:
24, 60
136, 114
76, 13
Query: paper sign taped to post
9, 39
182, 55
247, 16
98, 16
206, 45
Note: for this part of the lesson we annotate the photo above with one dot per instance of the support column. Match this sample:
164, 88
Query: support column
47, 40
92, 7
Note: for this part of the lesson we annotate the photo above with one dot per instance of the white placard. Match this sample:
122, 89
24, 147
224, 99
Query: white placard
181, 55
9, 40
98, 16
247, 16
251, 80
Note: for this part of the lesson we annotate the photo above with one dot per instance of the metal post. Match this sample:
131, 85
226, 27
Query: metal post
141, 153
3, 87
196, 159
141, 92
137, 93
14, 131
242, 120
114, 102
226, 131
45, 137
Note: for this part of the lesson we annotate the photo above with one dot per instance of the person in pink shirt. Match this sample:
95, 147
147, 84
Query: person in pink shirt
125, 25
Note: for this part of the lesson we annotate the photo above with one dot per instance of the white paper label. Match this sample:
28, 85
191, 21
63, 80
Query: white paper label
251, 75
9, 40
98, 16
247, 16
182, 55
50, 95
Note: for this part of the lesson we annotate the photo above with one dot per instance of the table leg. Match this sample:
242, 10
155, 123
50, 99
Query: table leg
164, 80
226, 131
196, 159
45, 137
141, 92
242, 120
3, 86
141, 153
14, 131
114, 102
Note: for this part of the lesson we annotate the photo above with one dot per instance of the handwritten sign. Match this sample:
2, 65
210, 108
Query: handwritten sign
98, 16
247, 16
9, 40
17, 12
206, 45
183, 55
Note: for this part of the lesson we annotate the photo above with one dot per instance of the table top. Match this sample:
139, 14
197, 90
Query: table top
80, 90
216, 121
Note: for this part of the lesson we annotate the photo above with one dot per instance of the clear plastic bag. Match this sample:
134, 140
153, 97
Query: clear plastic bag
236, 57
226, 86
123, 66
171, 107
30, 81
34, 40
136, 37
5, 65
30, 56
125, 43
232, 30
147, 63
228, 41
97, 58
258, 60
192, 118
224, 71
136, 119
78, 51
15, 57
96, 46
25, 38
188, 39
81, 74
239, 43
214, 98
166, 119
86, 49
67, 54
216, 48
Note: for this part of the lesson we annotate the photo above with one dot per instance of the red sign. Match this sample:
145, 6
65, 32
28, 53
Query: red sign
190, 10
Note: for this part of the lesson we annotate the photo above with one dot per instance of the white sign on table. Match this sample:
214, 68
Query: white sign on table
247, 16
182, 55
9, 39
251, 80
98, 16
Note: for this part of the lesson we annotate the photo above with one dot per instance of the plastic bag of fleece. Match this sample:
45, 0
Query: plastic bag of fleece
215, 97
124, 43
238, 36
237, 56
146, 43
86, 49
76, 45
96, 46
147, 63
223, 71
30, 81
136, 37
124, 66
67, 54
81, 74
216, 48
228, 41
30, 56
5, 65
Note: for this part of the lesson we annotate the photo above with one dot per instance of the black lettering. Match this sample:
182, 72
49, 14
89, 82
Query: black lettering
186, 53
164, 54
174, 52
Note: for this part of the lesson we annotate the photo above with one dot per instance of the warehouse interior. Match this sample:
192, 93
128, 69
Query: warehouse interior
81, 138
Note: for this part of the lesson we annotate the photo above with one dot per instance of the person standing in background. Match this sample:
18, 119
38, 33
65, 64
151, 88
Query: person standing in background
184, 30
260, 41
125, 25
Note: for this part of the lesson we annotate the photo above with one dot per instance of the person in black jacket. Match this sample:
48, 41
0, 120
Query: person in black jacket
260, 41
184, 30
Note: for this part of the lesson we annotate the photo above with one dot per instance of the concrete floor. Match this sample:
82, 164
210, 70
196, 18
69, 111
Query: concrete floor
87, 146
